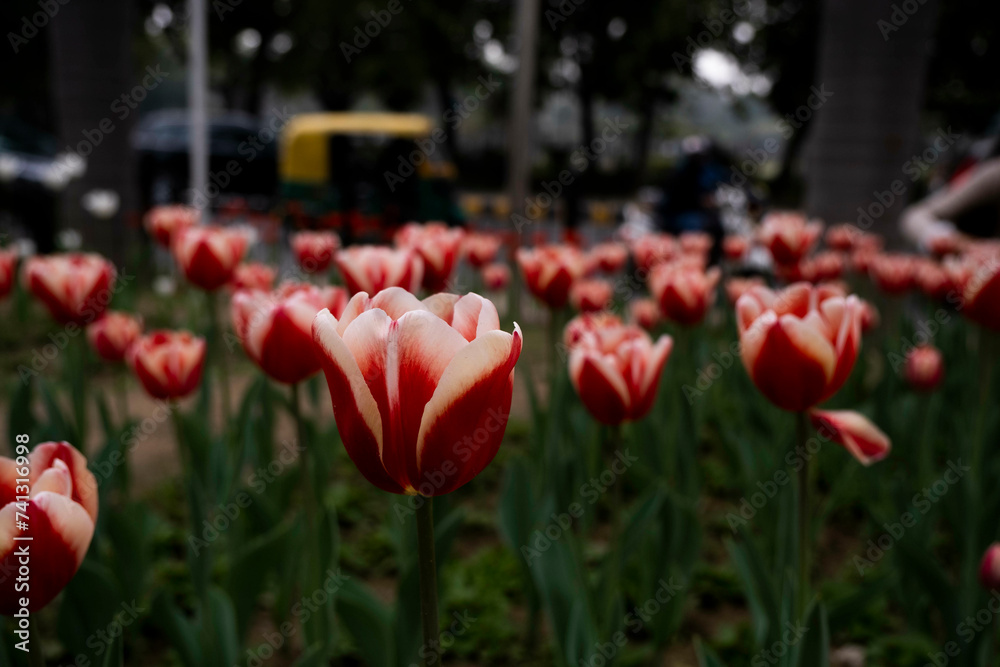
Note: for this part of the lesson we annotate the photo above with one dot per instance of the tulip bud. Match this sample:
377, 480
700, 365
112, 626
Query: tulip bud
276, 328
75, 287
112, 335
438, 247
924, 367
168, 363
58, 518
314, 250
163, 222
549, 271
989, 568
421, 390
208, 255
371, 269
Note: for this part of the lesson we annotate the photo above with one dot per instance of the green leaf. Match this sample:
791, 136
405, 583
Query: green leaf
223, 642
90, 601
250, 569
813, 650
368, 622
178, 629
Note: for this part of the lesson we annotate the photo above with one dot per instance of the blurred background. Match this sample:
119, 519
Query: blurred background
818, 105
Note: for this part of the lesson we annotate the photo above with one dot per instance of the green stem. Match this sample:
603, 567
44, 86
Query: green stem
78, 385
305, 468
801, 431
428, 580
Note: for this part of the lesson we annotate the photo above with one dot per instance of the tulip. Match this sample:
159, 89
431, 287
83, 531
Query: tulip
788, 236
374, 268
933, 279
608, 257
590, 295
842, 237
862, 259
252, 275
412, 381
276, 328
314, 250
854, 432
208, 255
8, 268
168, 363
61, 512
549, 271
734, 247
496, 276
924, 368
737, 287
800, 344
685, 294
870, 318
653, 249
75, 287
695, 243
978, 278
645, 313
893, 274
823, 267
989, 568
438, 246
163, 222
112, 335
480, 249
616, 372
601, 323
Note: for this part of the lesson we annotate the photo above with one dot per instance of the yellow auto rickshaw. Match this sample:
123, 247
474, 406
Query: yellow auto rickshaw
364, 174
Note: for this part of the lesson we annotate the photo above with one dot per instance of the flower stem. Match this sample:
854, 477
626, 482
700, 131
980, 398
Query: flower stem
801, 430
428, 580
308, 494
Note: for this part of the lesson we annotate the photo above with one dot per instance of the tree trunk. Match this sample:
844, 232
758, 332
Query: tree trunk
91, 43
868, 129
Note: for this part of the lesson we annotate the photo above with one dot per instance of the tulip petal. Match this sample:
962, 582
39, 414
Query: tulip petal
354, 407
600, 384
396, 302
84, 484
865, 441
657, 359
463, 423
474, 316
793, 364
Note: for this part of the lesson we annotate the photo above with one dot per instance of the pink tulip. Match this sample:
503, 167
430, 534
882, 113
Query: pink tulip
314, 250
60, 511
75, 287
924, 368
421, 389
496, 277
208, 255
276, 328
480, 249
371, 269
112, 335
737, 287
438, 246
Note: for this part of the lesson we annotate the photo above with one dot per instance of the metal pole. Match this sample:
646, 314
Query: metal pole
197, 103
519, 132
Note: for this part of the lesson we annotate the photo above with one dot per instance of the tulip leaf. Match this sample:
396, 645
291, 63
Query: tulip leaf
516, 515
812, 649
20, 417
759, 587
368, 623
249, 570
221, 639
178, 629
90, 602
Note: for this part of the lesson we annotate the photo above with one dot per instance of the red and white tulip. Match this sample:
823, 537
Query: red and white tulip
438, 246
168, 363
855, 432
371, 269
208, 255
684, 293
314, 250
75, 287
163, 222
788, 236
550, 271
112, 335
